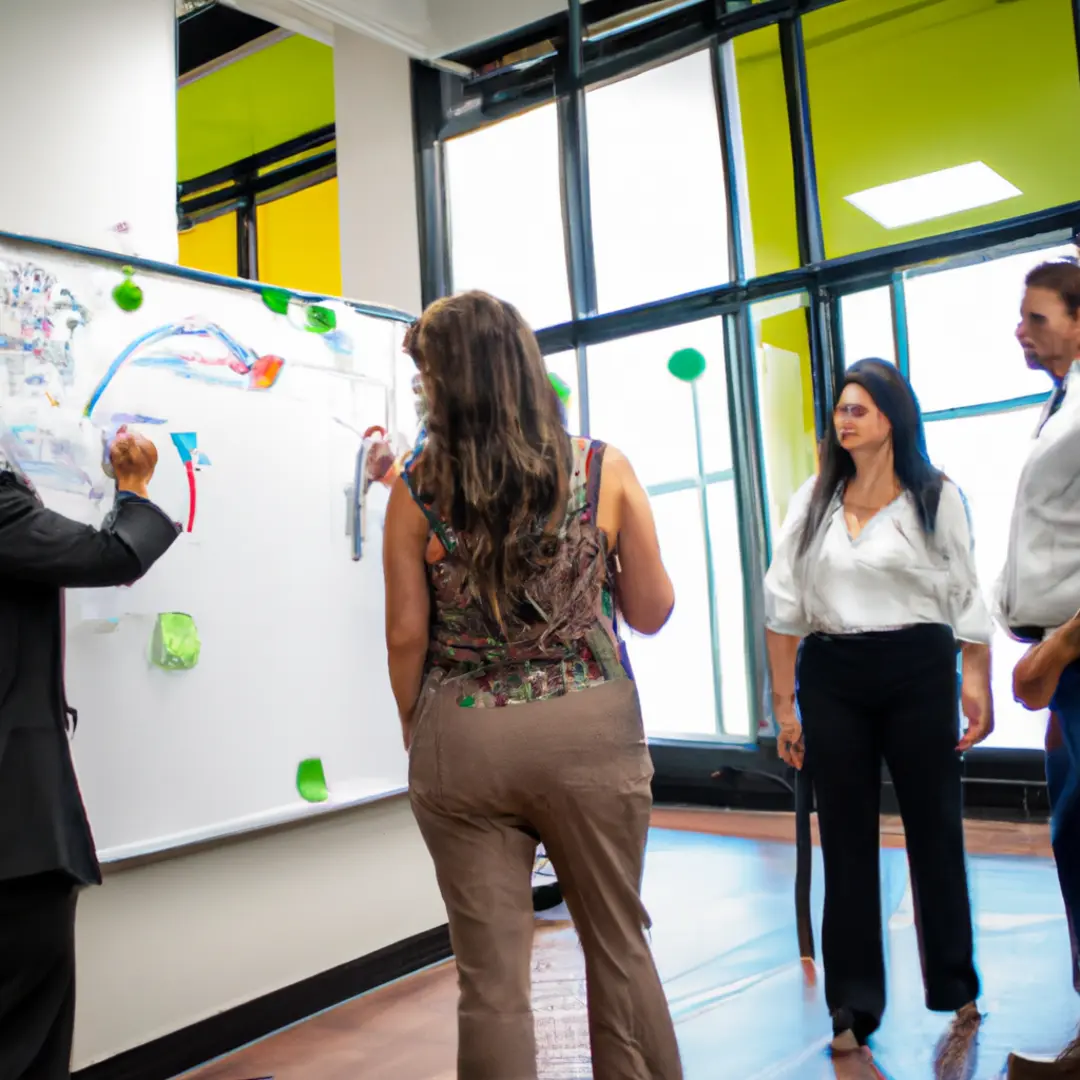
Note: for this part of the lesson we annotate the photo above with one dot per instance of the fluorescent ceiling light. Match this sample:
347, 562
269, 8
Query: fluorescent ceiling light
933, 195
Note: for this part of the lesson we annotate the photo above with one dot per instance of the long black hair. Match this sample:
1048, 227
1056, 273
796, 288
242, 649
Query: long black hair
893, 395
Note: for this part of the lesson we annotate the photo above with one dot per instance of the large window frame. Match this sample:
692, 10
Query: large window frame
556, 61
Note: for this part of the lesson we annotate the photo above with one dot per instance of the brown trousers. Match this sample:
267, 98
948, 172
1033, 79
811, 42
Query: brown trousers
575, 772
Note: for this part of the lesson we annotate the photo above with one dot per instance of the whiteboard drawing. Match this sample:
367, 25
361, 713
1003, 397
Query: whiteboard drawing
257, 644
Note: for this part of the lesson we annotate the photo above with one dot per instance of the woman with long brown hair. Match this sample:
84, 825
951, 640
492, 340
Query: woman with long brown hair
511, 550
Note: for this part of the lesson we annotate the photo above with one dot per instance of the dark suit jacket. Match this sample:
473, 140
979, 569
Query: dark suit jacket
43, 826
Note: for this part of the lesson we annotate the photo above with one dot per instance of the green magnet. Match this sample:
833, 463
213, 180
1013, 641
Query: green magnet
311, 780
277, 300
127, 295
320, 320
175, 645
561, 386
687, 365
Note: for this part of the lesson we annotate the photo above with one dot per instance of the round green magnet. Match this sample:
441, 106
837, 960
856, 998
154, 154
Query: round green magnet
686, 365
127, 295
277, 300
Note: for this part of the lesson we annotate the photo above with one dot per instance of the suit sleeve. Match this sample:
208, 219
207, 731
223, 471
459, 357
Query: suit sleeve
39, 545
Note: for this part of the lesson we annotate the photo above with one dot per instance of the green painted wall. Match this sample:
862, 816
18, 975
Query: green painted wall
904, 87
264, 99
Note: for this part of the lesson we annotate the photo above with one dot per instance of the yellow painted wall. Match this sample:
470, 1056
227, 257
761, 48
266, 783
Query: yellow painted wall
211, 246
300, 241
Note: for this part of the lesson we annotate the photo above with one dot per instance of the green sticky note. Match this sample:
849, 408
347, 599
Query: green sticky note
175, 645
311, 780
687, 365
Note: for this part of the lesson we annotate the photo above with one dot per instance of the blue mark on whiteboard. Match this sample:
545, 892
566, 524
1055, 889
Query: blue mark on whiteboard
186, 443
134, 418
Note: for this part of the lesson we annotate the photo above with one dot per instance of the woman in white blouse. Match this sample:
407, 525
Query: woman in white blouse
871, 587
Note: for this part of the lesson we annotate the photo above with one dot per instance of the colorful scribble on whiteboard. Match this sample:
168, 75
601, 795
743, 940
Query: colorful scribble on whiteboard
186, 443
236, 366
38, 320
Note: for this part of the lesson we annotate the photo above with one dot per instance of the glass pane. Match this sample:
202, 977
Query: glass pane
506, 227
564, 365
984, 455
785, 400
986, 71
674, 669
867, 325
771, 240
211, 246
637, 405
961, 326
728, 577
656, 175
300, 240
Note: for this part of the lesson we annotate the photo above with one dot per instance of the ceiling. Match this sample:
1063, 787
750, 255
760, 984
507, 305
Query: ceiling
426, 29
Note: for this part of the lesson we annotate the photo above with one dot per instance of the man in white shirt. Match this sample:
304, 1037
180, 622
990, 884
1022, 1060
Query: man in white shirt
1039, 590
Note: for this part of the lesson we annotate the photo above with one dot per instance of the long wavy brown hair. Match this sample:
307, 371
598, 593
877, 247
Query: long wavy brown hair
496, 465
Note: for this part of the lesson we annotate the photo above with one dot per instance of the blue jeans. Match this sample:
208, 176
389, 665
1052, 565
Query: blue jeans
1063, 786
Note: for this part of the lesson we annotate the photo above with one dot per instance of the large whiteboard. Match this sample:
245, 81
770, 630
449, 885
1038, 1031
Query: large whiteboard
270, 415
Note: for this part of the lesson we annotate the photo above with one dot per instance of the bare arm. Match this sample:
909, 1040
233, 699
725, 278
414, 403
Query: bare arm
408, 602
646, 595
783, 651
1036, 676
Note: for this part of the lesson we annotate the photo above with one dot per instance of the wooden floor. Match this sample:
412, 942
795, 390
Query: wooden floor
719, 888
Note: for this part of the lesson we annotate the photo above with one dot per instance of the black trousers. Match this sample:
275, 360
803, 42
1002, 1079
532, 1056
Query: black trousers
892, 697
37, 977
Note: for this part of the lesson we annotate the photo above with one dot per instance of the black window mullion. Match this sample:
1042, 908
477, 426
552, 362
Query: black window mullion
573, 140
725, 89
748, 467
436, 278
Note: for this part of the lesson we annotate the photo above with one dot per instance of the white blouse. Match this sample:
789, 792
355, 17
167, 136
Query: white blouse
1040, 585
888, 577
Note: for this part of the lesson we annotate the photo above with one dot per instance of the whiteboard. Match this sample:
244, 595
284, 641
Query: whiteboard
258, 420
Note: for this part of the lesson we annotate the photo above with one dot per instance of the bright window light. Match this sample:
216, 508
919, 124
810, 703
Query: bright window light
934, 195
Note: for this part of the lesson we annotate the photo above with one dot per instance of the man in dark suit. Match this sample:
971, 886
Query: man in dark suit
46, 848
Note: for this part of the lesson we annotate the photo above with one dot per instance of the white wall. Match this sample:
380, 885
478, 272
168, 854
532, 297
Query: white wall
168, 944
380, 246
89, 137
88, 127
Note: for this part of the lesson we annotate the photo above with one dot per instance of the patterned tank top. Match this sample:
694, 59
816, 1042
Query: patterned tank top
572, 644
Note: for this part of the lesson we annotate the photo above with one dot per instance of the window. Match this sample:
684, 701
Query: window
904, 96
771, 241
984, 456
506, 227
674, 670
866, 323
300, 241
211, 246
692, 676
785, 393
961, 333
656, 176
636, 404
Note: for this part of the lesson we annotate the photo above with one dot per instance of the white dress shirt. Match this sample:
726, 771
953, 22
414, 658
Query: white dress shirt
1040, 585
888, 577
